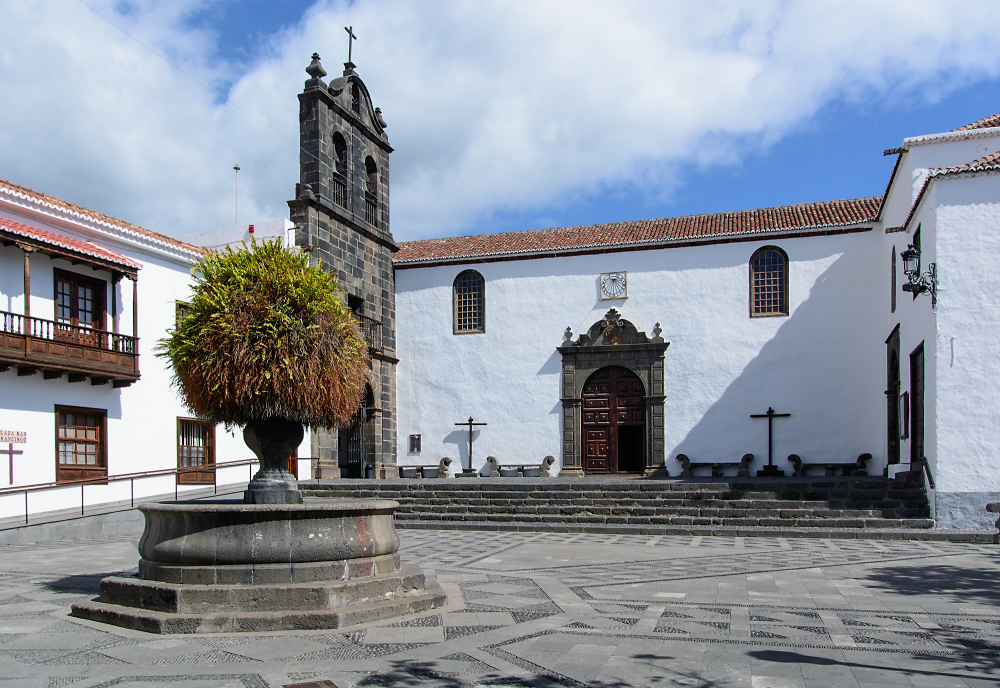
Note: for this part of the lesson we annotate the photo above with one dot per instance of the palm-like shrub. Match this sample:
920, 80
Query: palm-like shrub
266, 336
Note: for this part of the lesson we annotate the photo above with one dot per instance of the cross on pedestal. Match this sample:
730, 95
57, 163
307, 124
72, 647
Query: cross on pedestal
770, 468
470, 423
11, 452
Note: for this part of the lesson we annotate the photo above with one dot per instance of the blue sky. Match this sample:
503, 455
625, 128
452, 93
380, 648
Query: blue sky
504, 115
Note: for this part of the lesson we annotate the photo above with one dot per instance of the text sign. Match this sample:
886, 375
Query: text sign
13, 436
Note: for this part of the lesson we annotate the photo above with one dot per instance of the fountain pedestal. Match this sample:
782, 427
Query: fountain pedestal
228, 567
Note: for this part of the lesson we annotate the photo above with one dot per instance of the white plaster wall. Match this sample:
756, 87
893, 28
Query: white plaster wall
967, 410
822, 364
141, 418
919, 158
236, 236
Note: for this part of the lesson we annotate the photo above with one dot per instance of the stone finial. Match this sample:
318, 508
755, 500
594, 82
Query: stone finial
656, 330
315, 68
568, 335
379, 118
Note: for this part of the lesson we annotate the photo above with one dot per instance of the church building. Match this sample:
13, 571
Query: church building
835, 331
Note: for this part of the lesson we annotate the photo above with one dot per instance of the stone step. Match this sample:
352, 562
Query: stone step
906, 533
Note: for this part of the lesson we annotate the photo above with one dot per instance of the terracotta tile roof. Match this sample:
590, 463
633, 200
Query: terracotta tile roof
100, 218
87, 248
644, 233
985, 123
987, 162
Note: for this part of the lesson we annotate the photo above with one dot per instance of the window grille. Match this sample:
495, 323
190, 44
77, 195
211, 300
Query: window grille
469, 303
768, 282
81, 450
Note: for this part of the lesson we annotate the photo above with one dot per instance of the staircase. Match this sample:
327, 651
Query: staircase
853, 507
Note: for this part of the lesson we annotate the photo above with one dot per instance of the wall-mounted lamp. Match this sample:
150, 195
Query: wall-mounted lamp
918, 283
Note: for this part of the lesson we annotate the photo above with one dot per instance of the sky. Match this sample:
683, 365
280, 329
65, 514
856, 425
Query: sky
504, 115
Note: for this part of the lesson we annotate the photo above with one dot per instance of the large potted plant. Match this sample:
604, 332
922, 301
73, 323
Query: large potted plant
267, 343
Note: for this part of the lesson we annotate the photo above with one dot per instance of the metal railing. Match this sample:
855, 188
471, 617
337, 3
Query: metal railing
131, 477
371, 330
53, 331
339, 186
371, 208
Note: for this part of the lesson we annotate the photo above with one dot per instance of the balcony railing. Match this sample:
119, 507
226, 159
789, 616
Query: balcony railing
339, 187
371, 330
371, 209
54, 347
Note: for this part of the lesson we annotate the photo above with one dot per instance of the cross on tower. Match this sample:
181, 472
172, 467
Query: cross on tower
470, 423
350, 40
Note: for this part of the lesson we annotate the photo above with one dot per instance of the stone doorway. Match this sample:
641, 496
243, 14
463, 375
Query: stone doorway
614, 342
614, 419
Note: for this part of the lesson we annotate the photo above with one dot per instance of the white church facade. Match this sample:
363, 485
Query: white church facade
716, 319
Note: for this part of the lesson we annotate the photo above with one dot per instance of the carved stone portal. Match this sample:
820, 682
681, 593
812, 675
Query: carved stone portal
612, 341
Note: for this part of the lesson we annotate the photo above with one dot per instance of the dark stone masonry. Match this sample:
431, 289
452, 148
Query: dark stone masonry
341, 214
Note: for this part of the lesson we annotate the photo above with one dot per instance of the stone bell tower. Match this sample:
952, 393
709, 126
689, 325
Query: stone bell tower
341, 216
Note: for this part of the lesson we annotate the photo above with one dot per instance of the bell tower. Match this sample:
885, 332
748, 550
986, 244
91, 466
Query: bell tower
341, 216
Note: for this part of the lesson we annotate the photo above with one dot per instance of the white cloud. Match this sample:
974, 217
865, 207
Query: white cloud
492, 106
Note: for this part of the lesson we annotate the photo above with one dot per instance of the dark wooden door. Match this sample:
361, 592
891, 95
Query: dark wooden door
917, 404
614, 414
892, 390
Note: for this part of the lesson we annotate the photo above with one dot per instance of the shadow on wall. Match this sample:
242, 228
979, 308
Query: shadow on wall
818, 366
460, 438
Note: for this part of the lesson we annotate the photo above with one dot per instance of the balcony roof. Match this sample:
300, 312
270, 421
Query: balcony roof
52, 243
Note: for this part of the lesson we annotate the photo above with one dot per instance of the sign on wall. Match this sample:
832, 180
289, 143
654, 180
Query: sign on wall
13, 436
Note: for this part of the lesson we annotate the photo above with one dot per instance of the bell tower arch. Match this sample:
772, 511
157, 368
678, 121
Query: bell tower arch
341, 217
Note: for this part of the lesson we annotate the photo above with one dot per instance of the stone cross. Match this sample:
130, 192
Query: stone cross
470, 423
770, 415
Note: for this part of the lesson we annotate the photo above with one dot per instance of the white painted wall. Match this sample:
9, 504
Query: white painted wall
821, 363
235, 237
142, 418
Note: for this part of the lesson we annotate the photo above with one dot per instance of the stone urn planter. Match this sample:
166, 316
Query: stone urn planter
273, 440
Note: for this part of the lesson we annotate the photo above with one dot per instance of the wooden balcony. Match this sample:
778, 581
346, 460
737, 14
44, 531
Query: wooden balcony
56, 349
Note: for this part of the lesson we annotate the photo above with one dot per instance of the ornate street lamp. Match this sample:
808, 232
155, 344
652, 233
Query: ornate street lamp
918, 283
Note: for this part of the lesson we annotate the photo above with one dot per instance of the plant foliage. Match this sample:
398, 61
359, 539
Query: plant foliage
266, 336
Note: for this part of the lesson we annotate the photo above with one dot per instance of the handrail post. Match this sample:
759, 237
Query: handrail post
81, 499
25, 507
132, 488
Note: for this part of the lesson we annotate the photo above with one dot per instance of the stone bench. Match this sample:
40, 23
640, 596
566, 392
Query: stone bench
439, 471
994, 508
830, 468
742, 466
496, 470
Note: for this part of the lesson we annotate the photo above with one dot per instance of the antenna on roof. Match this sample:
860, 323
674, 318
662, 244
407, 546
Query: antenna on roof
236, 168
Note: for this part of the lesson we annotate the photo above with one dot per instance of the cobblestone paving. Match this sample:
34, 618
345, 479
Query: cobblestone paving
558, 610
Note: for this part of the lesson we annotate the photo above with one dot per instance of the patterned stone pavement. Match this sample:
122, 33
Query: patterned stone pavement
558, 610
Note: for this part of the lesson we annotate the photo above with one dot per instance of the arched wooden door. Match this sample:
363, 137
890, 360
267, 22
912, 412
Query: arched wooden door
614, 418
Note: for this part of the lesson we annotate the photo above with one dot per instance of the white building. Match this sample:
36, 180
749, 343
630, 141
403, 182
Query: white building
798, 309
85, 297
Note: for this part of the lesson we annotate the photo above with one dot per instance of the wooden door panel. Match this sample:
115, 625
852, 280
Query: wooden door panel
612, 397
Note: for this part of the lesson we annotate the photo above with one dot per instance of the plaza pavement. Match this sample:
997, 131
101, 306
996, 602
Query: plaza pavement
565, 609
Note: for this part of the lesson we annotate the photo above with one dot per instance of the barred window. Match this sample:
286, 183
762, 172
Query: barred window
768, 282
470, 299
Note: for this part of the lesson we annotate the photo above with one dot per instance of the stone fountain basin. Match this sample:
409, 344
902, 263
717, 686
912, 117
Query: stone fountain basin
222, 542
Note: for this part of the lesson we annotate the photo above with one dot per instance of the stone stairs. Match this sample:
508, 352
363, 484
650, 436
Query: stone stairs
854, 507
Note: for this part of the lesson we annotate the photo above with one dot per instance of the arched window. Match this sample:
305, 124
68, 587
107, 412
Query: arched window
339, 180
470, 303
356, 99
768, 282
371, 191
